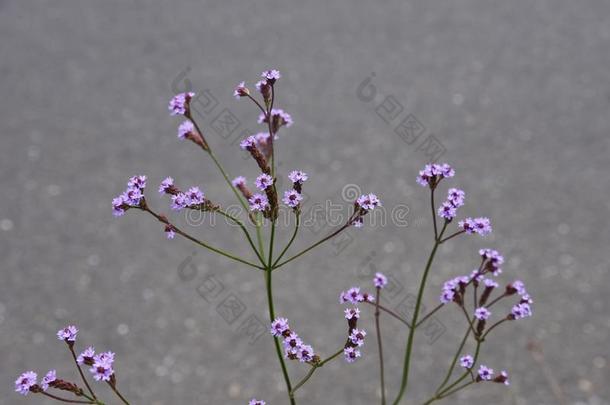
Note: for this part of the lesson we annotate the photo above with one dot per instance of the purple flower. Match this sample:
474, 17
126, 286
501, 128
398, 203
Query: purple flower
521, 310
239, 181
255, 401
490, 283
263, 181
86, 356
137, 182
519, 286
494, 259
166, 185
292, 340
368, 202
297, 176
179, 104
447, 210
105, 357
358, 222
102, 371
481, 225
456, 197
279, 326
357, 337
482, 313
271, 75
131, 197
258, 202
118, 206
485, 373
292, 198
352, 313
47, 379
431, 174
351, 354
179, 201
248, 143
185, 129
195, 196
380, 280
467, 361
352, 295
279, 118
241, 90
447, 296
67, 334
305, 353
25, 382
170, 233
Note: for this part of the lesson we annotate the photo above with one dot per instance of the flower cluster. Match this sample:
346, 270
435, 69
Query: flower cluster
481, 225
294, 348
100, 367
455, 199
180, 103
362, 206
133, 196
433, 173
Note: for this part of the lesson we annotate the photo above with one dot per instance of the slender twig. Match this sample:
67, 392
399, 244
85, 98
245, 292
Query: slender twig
313, 369
246, 233
454, 361
470, 322
492, 327
116, 391
335, 233
80, 370
72, 401
199, 242
390, 312
380, 346
407, 361
433, 214
294, 234
452, 236
429, 314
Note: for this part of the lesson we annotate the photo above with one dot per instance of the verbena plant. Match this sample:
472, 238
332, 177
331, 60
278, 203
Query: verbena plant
471, 296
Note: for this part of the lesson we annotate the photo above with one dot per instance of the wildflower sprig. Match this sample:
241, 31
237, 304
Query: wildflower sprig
261, 204
100, 366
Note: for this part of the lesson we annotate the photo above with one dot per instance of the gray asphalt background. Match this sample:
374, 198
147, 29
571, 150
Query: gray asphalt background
517, 93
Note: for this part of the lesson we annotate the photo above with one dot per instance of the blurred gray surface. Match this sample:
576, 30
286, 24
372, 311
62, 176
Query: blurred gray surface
517, 92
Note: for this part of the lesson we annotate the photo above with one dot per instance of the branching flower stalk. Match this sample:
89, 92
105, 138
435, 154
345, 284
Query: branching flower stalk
473, 294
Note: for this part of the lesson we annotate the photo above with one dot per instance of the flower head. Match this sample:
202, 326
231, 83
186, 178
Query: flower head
481, 225
249, 142
67, 334
166, 185
431, 174
305, 353
239, 181
241, 90
292, 198
279, 326
186, 129
368, 202
485, 373
47, 379
25, 381
502, 378
447, 210
380, 280
255, 401
352, 295
352, 313
521, 310
456, 197
297, 176
357, 337
264, 181
179, 104
482, 313
86, 356
351, 354
279, 118
271, 75
258, 202
467, 361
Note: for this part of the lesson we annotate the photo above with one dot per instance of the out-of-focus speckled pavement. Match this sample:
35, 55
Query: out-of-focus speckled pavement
516, 92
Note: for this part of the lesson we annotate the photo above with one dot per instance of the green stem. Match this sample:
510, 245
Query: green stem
314, 367
379, 346
80, 371
116, 391
454, 361
200, 243
429, 314
389, 312
71, 401
243, 228
294, 234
